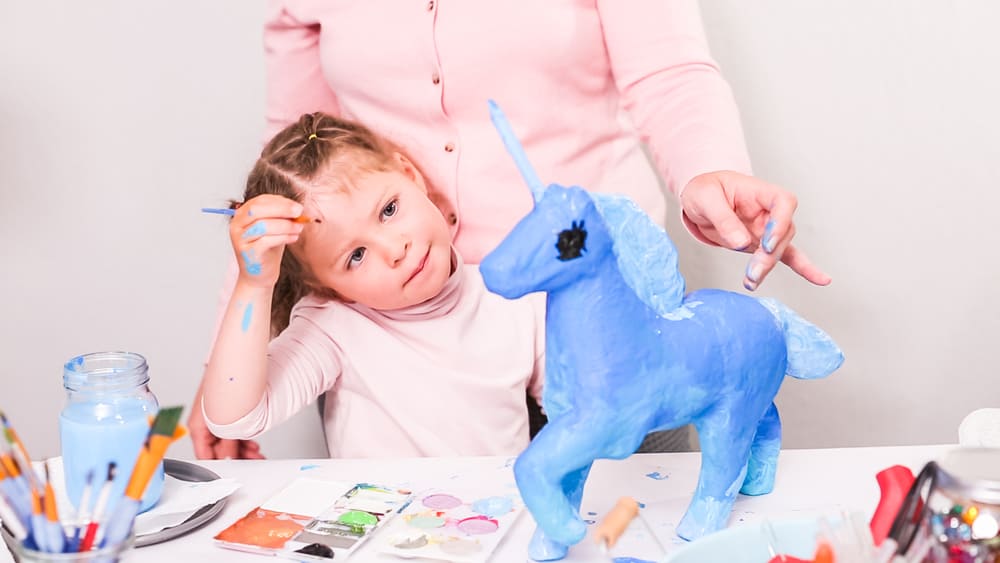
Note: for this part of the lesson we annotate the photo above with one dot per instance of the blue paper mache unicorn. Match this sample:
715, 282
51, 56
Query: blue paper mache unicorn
628, 353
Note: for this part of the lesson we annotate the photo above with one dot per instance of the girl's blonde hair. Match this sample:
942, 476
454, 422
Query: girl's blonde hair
316, 147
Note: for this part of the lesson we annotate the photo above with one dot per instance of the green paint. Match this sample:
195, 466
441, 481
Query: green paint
357, 518
426, 522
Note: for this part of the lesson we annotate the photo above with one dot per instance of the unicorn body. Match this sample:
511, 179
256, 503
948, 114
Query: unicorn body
627, 353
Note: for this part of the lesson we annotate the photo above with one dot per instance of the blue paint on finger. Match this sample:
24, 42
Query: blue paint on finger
255, 230
247, 317
769, 242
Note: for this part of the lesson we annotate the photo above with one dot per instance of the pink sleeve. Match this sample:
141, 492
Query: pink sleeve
302, 363
295, 81
672, 88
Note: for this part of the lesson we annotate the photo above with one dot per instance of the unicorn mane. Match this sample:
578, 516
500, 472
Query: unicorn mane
647, 259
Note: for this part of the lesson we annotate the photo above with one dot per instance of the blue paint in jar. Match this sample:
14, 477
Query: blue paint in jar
106, 418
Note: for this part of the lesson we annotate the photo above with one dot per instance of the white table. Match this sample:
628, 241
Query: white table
808, 481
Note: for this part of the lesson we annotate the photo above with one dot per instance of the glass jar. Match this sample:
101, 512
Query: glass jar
105, 554
952, 511
106, 419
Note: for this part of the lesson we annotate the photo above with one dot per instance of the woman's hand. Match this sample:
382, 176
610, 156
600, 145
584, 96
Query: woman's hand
259, 231
747, 214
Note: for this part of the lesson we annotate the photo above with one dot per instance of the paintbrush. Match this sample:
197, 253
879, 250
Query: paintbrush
12, 521
95, 517
15, 490
164, 431
19, 451
81, 512
231, 212
54, 535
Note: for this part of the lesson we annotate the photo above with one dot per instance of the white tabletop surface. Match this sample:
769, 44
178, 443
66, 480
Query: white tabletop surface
809, 482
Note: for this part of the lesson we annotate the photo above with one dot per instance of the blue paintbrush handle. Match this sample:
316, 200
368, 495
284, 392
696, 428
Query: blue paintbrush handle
120, 523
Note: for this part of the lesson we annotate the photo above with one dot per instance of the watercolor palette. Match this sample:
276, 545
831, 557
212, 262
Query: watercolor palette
451, 525
315, 520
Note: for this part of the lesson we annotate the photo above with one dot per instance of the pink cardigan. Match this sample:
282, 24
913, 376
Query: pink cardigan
573, 76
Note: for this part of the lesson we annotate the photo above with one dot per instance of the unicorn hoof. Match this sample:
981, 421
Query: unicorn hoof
542, 548
690, 529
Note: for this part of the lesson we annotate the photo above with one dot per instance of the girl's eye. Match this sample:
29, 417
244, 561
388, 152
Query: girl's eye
356, 257
390, 209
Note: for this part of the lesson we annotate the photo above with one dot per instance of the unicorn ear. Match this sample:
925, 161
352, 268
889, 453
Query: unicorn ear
516, 152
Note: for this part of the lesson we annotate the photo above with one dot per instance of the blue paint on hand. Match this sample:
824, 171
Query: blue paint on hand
256, 230
250, 262
769, 237
247, 317
657, 475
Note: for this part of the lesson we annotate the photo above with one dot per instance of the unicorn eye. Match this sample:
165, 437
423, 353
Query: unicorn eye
572, 242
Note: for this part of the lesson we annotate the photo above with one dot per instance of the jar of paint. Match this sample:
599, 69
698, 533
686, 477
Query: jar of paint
106, 419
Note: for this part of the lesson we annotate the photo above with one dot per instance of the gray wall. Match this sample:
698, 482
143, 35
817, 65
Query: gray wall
118, 120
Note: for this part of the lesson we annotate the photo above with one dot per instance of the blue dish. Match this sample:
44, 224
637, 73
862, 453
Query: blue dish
748, 543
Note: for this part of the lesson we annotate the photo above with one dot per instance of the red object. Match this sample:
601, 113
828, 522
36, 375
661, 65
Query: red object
824, 554
894, 483
88, 538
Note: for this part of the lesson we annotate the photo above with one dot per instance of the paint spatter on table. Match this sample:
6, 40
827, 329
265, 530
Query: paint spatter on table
308, 466
631, 560
657, 475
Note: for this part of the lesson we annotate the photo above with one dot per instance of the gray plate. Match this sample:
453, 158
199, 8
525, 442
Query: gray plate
185, 471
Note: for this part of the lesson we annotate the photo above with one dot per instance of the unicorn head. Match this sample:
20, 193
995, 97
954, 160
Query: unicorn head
569, 234
562, 240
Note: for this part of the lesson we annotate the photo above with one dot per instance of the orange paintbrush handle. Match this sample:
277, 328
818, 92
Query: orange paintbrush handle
614, 524
149, 459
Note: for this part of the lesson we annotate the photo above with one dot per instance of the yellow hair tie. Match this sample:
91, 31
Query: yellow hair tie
311, 137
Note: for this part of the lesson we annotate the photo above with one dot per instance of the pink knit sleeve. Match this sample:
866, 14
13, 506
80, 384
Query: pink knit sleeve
672, 88
295, 81
302, 363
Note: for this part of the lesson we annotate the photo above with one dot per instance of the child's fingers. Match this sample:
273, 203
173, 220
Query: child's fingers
803, 266
267, 206
269, 228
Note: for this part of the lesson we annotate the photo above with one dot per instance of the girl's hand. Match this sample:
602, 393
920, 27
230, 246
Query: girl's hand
259, 231
747, 214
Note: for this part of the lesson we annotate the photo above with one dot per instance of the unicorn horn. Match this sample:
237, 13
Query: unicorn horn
516, 151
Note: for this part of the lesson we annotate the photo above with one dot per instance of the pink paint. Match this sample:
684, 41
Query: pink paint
478, 525
441, 501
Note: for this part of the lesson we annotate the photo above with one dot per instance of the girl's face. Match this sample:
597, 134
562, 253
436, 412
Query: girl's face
381, 242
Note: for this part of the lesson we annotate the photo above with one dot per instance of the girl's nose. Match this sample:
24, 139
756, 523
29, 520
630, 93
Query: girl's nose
394, 248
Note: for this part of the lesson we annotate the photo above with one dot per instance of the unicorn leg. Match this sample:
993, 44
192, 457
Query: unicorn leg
541, 547
551, 473
725, 447
763, 462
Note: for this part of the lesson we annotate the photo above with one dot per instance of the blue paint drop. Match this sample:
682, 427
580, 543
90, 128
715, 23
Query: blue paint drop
642, 505
255, 230
251, 263
631, 560
590, 522
591, 514
307, 467
247, 316
657, 475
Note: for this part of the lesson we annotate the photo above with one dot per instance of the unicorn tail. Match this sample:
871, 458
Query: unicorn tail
812, 354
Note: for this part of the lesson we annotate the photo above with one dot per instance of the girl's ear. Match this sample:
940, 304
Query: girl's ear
410, 171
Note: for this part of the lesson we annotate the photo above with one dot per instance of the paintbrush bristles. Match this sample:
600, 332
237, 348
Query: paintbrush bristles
166, 421
111, 471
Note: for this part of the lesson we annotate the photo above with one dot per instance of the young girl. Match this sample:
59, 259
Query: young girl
346, 259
